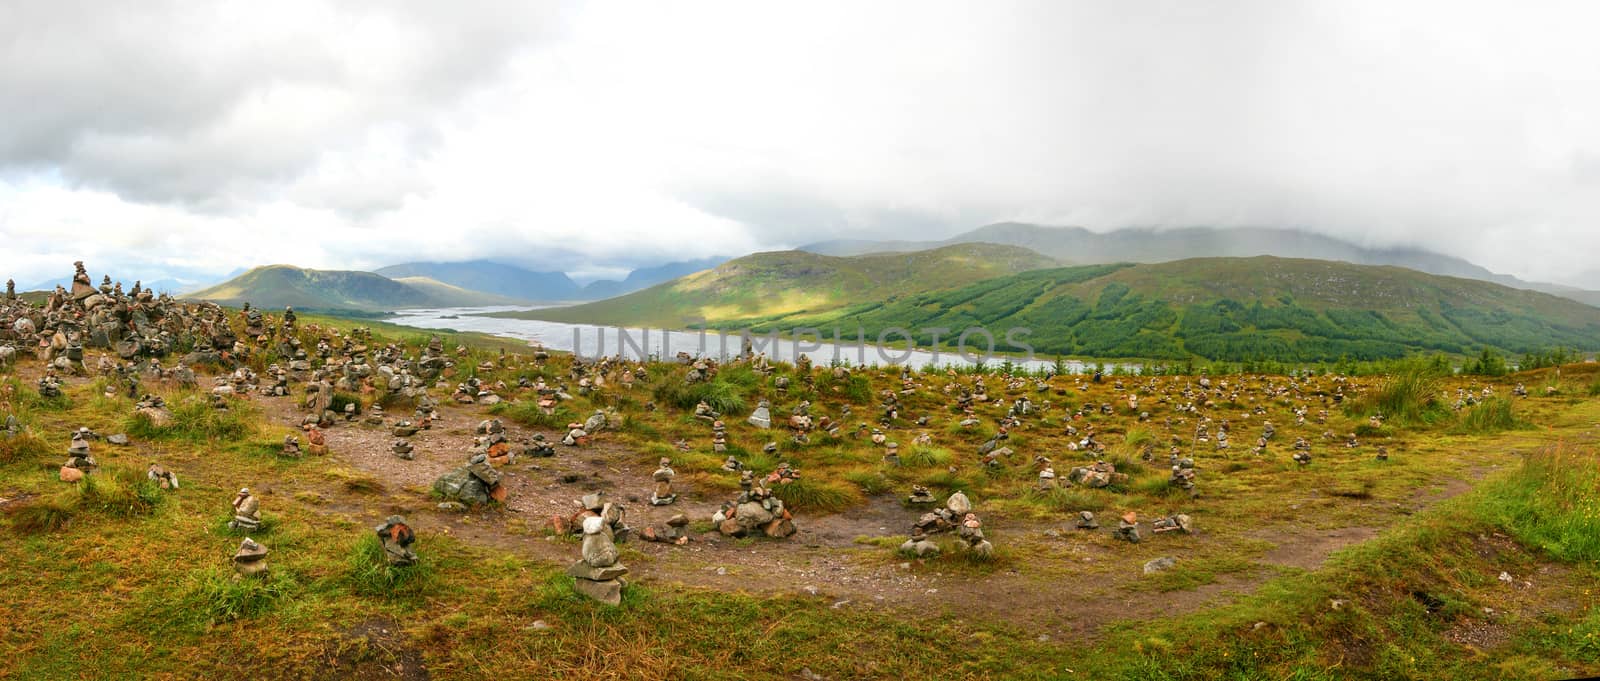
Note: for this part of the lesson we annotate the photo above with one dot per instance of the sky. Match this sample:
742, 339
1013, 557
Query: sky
185, 140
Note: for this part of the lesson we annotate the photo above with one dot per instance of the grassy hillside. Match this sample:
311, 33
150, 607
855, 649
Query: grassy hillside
1233, 309
275, 286
796, 282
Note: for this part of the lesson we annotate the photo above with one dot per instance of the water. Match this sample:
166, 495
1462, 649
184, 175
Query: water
587, 340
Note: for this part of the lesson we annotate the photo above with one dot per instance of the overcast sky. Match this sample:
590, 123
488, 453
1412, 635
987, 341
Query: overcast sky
188, 139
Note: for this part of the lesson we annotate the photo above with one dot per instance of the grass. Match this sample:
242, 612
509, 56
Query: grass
528, 413
24, 446
807, 495
1489, 416
1408, 397
368, 572
724, 396
108, 584
195, 420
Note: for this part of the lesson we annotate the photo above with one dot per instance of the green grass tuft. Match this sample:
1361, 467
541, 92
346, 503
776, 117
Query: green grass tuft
807, 495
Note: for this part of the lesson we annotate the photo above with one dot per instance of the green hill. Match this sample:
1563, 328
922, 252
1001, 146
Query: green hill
275, 286
795, 282
1232, 309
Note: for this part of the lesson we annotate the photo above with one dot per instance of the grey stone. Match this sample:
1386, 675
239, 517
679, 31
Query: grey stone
608, 592
118, 439
582, 570
1159, 565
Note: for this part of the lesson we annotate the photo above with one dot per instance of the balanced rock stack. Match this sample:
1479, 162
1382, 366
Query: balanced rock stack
663, 494
163, 478
397, 538
598, 574
246, 512
945, 519
594, 505
79, 462
250, 560
762, 417
475, 483
154, 409
402, 448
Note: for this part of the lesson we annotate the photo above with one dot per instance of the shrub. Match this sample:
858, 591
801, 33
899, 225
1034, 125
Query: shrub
41, 515
1409, 396
1552, 502
816, 496
22, 447
118, 493
1489, 416
725, 397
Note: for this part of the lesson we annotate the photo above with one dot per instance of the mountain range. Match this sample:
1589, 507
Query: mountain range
1080, 246
523, 284
783, 282
1259, 307
275, 286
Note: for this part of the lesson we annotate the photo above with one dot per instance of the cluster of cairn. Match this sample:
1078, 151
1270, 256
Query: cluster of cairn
956, 515
756, 510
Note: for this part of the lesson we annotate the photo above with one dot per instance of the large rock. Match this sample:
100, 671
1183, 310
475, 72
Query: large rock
608, 592
752, 514
461, 485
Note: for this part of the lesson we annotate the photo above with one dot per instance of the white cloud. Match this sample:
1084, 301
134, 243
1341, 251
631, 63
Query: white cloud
591, 137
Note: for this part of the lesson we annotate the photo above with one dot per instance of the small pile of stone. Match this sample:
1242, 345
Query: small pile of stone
250, 560
1128, 528
598, 574
1183, 475
403, 449
762, 416
945, 518
674, 532
291, 447
1174, 523
594, 505
316, 442
576, 435
79, 462
755, 510
1097, 475
1086, 521
154, 409
397, 538
921, 495
919, 545
538, 447
163, 478
719, 437
246, 512
475, 483
663, 494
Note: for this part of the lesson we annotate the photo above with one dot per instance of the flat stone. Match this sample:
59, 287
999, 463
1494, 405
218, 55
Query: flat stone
118, 439
1159, 564
582, 570
608, 592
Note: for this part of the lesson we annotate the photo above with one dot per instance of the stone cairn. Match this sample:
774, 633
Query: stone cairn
663, 494
397, 538
674, 532
79, 462
594, 505
246, 511
291, 447
250, 560
762, 416
956, 515
475, 483
598, 574
402, 448
163, 478
755, 510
